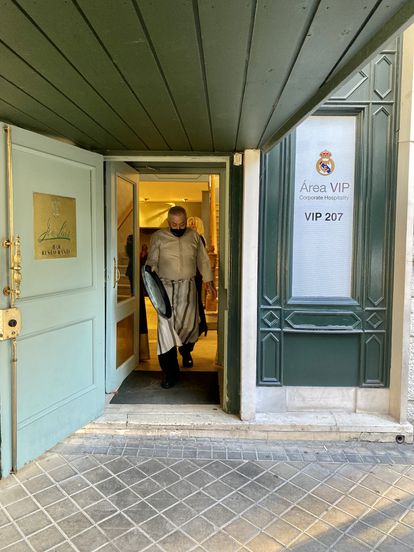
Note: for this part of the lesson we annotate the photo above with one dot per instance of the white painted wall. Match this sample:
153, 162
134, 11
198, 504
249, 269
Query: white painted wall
251, 194
403, 327
411, 370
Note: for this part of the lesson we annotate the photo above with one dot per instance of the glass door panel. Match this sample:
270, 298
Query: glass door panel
124, 340
122, 298
125, 238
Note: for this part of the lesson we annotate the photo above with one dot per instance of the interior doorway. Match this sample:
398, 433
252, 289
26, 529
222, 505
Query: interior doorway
199, 193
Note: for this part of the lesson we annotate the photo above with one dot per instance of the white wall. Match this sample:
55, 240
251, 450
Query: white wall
251, 194
402, 358
411, 368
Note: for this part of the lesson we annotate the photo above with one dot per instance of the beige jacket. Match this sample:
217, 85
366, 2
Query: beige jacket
178, 258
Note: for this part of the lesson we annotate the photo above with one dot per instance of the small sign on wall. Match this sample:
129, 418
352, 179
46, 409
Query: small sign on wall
54, 226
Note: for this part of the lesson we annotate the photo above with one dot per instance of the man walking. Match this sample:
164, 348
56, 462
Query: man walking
176, 253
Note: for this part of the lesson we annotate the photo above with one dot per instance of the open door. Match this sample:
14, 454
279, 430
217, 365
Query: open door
58, 214
122, 261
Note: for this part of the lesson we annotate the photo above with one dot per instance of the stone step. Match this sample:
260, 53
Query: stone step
212, 421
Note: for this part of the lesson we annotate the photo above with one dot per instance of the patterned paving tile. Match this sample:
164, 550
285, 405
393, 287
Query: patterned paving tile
283, 531
179, 514
133, 541
115, 526
9, 535
177, 541
219, 542
34, 522
46, 539
74, 524
90, 540
208, 495
19, 509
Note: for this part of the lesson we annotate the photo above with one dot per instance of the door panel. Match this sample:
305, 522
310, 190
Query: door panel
64, 178
60, 369
125, 329
122, 328
68, 380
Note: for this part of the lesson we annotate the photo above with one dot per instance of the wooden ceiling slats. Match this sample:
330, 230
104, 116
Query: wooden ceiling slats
181, 75
333, 28
373, 25
17, 116
119, 28
16, 70
277, 37
57, 125
171, 26
76, 40
32, 45
225, 35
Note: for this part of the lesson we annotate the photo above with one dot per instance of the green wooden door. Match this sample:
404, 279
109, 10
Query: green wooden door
323, 340
60, 368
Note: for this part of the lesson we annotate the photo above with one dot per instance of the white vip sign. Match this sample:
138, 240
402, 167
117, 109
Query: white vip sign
324, 207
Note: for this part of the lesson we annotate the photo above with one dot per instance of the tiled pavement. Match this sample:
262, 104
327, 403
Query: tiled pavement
129, 493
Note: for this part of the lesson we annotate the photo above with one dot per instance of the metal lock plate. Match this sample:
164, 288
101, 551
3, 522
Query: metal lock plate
10, 323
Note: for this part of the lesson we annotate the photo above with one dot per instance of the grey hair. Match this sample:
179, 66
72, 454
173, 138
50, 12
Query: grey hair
177, 210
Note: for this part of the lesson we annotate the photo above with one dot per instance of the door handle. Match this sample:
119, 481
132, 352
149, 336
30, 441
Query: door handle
13, 290
17, 266
117, 273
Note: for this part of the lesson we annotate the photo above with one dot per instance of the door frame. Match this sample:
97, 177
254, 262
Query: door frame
117, 311
221, 165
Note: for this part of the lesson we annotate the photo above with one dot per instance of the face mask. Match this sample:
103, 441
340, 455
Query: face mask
178, 232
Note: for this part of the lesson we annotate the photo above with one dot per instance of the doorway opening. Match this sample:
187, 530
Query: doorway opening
201, 194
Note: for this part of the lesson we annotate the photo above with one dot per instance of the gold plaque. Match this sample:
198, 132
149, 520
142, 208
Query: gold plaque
54, 226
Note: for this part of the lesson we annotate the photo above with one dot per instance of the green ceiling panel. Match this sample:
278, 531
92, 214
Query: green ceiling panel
14, 69
77, 41
56, 124
119, 28
225, 35
29, 43
277, 35
334, 27
372, 28
11, 114
171, 26
182, 75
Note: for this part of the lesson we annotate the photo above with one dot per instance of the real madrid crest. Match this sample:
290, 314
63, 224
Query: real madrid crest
325, 165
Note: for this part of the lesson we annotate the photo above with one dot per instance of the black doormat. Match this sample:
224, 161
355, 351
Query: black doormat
144, 388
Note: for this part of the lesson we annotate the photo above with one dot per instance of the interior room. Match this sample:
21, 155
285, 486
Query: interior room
199, 195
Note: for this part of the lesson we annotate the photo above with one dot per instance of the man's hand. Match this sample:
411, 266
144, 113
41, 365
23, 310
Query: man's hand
211, 289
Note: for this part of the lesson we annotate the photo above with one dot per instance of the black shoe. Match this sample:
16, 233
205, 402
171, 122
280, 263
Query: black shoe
187, 361
167, 384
